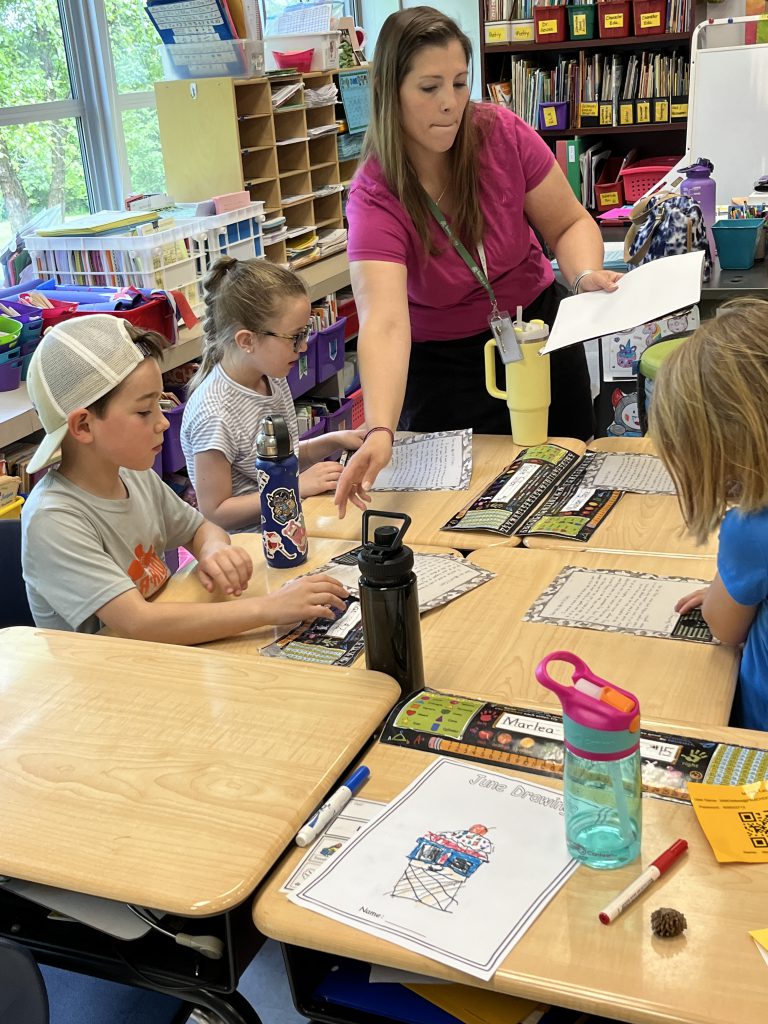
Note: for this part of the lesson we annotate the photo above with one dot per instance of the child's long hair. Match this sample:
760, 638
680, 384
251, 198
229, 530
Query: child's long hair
240, 295
402, 36
709, 416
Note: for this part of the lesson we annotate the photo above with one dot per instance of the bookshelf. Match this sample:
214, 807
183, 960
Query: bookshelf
223, 135
648, 139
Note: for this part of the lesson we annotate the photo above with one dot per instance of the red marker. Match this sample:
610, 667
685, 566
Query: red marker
654, 870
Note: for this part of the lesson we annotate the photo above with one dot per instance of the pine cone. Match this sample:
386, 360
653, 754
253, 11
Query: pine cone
666, 922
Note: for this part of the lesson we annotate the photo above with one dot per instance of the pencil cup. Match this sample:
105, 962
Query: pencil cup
527, 391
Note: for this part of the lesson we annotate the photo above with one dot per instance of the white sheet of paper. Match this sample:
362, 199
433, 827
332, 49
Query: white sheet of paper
650, 291
426, 871
439, 578
763, 952
612, 600
357, 813
440, 461
632, 471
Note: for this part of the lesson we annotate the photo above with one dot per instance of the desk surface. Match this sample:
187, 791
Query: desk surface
166, 776
710, 975
480, 646
640, 522
186, 588
430, 510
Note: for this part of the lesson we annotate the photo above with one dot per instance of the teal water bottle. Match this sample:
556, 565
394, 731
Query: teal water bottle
602, 786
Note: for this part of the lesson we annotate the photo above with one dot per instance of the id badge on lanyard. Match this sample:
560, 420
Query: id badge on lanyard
501, 324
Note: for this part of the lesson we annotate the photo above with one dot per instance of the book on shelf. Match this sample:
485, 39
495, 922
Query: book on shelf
500, 92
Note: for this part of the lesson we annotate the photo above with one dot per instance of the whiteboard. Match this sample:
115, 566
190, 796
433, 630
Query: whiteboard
728, 116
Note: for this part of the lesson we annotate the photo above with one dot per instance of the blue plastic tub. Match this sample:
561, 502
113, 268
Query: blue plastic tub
736, 242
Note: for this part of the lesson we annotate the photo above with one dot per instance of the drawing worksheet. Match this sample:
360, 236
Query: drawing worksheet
441, 461
619, 601
429, 871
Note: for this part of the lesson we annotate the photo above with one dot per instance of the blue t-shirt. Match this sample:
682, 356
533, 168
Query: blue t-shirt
742, 562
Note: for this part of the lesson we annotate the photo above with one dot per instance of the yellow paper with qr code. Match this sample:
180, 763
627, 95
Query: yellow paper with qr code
734, 820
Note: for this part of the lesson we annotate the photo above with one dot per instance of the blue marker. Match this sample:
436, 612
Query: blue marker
332, 807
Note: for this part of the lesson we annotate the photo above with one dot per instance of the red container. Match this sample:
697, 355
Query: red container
644, 174
300, 60
358, 409
609, 188
550, 24
649, 16
613, 18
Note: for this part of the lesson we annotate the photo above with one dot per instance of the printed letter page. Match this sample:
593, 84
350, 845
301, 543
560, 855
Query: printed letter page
429, 462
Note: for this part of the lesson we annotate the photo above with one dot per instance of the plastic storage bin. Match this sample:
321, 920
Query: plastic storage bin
736, 242
173, 456
303, 375
553, 116
9, 332
299, 60
357, 414
29, 317
234, 233
613, 18
649, 17
10, 374
549, 24
330, 349
642, 175
238, 58
12, 510
325, 47
581, 21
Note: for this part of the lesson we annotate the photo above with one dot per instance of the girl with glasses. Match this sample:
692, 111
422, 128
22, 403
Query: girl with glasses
256, 327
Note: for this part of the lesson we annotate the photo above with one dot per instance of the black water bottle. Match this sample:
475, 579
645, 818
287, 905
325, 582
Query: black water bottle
389, 603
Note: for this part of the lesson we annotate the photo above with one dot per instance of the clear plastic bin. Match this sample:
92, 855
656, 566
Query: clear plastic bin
324, 44
224, 58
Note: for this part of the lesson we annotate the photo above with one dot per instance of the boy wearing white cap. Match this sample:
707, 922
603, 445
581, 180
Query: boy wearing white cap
95, 529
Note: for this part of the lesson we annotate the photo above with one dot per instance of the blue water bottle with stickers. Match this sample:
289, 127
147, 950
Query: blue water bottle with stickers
277, 469
602, 785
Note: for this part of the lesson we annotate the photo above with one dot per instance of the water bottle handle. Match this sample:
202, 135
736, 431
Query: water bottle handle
581, 670
371, 512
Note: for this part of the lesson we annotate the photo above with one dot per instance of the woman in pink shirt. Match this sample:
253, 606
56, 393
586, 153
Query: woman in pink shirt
423, 310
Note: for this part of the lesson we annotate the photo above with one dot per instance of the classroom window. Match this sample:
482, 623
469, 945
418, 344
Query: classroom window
78, 128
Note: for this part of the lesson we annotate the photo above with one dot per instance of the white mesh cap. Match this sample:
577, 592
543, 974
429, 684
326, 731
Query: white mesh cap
76, 363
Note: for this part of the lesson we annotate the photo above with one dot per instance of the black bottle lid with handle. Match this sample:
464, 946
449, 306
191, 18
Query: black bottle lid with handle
385, 559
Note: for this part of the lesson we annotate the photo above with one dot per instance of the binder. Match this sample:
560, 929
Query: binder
573, 173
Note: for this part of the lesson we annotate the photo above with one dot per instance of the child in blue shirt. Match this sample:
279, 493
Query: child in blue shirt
709, 420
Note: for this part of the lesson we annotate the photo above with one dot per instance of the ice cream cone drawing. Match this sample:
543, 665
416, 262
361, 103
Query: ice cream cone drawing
440, 865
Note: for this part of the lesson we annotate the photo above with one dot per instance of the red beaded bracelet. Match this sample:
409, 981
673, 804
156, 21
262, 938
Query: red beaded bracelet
373, 431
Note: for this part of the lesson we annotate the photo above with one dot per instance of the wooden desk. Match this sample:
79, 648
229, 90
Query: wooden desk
430, 510
710, 975
640, 523
480, 646
166, 776
185, 586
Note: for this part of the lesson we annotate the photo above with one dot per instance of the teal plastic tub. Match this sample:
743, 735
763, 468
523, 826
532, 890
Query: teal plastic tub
736, 242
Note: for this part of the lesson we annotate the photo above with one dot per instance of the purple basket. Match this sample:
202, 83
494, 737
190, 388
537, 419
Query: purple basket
303, 376
10, 374
173, 456
330, 350
31, 320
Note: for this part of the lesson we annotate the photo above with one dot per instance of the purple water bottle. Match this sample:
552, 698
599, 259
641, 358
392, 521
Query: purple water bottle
700, 186
277, 469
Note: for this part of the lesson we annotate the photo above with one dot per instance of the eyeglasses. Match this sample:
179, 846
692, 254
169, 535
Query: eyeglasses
297, 339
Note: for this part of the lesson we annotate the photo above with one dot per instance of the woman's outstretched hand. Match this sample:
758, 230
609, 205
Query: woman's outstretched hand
600, 281
361, 471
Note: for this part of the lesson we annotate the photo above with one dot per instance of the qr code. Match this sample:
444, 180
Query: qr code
756, 827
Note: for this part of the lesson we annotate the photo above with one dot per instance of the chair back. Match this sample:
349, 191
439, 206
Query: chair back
14, 607
23, 998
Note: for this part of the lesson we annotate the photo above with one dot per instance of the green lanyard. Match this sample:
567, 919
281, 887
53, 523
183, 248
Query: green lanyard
480, 275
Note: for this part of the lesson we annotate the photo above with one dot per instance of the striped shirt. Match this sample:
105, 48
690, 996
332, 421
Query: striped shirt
223, 416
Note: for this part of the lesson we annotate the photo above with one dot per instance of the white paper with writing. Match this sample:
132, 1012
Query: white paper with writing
441, 461
637, 472
427, 871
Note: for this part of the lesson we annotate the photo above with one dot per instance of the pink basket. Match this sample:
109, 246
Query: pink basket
644, 174
299, 59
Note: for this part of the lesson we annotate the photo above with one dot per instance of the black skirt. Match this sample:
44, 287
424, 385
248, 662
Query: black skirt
446, 390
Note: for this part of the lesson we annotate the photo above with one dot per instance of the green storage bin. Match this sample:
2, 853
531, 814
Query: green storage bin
9, 331
581, 21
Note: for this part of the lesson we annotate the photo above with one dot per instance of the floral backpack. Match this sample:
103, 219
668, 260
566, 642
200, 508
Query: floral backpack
665, 225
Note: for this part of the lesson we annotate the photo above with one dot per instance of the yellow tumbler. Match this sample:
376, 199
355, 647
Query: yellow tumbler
527, 381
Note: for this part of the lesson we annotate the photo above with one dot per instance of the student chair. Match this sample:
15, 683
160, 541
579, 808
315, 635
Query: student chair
52, 996
14, 608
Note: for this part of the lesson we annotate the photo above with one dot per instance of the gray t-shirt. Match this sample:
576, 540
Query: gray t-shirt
80, 551
223, 416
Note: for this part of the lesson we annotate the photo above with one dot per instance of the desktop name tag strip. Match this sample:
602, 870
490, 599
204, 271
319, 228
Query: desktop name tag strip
532, 741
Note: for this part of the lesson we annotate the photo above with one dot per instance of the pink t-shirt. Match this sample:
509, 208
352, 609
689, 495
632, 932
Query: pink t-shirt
444, 298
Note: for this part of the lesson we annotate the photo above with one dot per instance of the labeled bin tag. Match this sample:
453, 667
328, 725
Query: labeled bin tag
505, 337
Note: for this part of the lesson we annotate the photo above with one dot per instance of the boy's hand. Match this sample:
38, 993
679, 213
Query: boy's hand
224, 566
691, 601
310, 597
349, 439
319, 478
